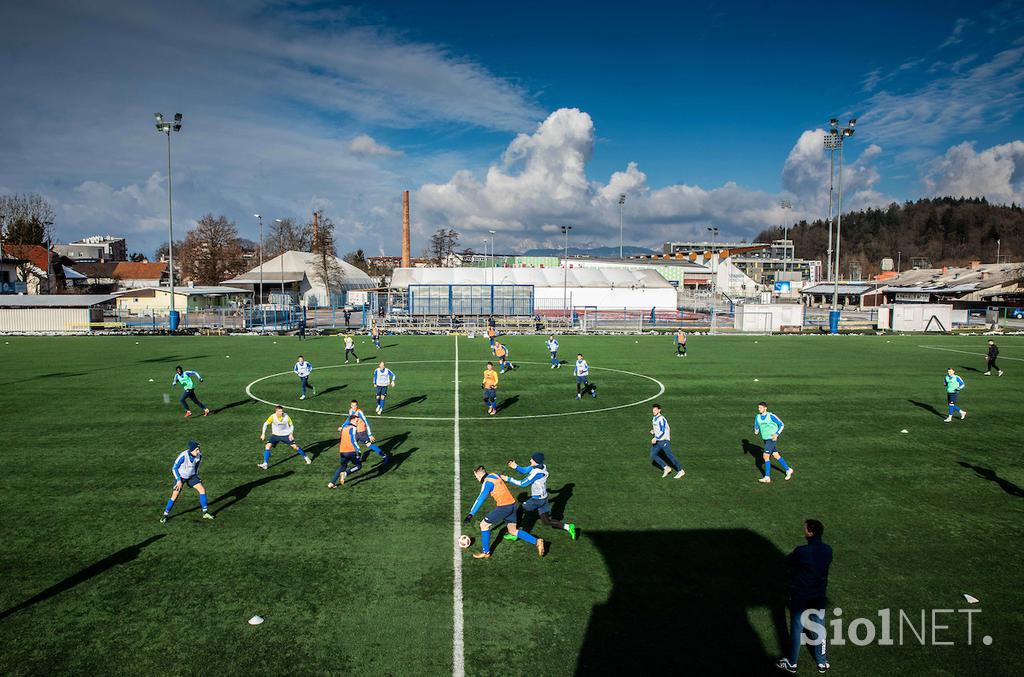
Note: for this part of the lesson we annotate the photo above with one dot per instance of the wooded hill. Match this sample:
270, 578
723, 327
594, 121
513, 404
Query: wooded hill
945, 230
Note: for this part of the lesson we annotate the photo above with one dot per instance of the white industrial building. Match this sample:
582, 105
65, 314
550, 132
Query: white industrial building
52, 312
550, 288
295, 276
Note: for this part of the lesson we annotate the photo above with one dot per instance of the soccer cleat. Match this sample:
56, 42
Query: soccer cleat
342, 478
346, 361
492, 412
187, 414
1000, 373
948, 419
579, 397
666, 471
679, 474
163, 520
963, 414
481, 555
510, 537
540, 547
784, 665
206, 412
308, 460
262, 465
988, 373
314, 389
823, 667
571, 528
789, 473
302, 397
207, 515
332, 485
765, 480
357, 360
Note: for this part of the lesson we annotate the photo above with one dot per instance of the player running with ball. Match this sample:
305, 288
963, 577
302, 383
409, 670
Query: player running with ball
504, 511
769, 427
348, 453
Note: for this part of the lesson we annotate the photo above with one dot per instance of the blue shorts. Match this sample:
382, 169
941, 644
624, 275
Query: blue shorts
769, 446
382, 391
581, 379
279, 439
490, 393
541, 505
503, 513
190, 482
363, 437
951, 398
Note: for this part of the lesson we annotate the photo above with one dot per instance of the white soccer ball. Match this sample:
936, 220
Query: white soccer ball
465, 541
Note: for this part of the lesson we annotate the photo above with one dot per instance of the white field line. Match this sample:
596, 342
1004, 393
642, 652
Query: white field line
968, 352
458, 639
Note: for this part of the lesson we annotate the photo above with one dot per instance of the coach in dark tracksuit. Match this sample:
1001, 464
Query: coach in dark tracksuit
990, 359
808, 584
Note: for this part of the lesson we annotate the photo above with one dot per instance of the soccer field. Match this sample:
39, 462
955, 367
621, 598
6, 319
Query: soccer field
669, 576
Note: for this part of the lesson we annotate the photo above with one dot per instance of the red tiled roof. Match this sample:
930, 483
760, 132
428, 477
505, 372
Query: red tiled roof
127, 270
33, 253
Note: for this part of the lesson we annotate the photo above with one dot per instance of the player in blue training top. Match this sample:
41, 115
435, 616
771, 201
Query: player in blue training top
364, 435
383, 378
769, 427
505, 508
553, 349
186, 471
303, 369
661, 445
954, 384
582, 373
188, 379
348, 452
537, 479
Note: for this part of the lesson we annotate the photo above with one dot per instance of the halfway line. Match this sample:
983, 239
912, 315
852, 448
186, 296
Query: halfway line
967, 352
458, 641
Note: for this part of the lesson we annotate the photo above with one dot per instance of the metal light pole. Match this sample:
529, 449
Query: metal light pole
622, 201
260, 218
785, 204
280, 221
714, 275
565, 273
831, 143
492, 232
166, 128
49, 262
834, 314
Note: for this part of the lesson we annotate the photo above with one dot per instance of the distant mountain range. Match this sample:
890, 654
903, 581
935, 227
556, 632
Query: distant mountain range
601, 252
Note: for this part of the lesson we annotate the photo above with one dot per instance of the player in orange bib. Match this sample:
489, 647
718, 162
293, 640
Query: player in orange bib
680, 343
491, 336
490, 386
504, 511
348, 452
501, 350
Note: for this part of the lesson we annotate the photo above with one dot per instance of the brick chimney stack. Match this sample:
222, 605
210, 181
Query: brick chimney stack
406, 240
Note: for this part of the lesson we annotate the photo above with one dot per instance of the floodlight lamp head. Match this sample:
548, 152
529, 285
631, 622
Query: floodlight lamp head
853, 122
277, 220
177, 127
177, 117
833, 123
622, 199
159, 117
257, 216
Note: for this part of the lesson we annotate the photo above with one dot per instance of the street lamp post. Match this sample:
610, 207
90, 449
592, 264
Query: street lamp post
622, 201
714, 275
492, 232
260, 219
280, 221
565, 273
833, 318
164, 127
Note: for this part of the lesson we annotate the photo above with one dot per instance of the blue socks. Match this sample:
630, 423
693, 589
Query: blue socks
170, 504
485, 540
783, 463
301, 452
266, 455
953, 409
768, 467
527, 536
378, 451
202, 501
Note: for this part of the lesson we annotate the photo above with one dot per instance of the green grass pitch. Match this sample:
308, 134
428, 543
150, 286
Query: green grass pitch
668, 577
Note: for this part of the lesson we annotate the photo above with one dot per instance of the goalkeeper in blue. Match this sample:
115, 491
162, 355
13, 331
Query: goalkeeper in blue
552, 344
537, 479
769, 427
282, 431
661, 445
303, 369
954, 384
186, 471
383, 378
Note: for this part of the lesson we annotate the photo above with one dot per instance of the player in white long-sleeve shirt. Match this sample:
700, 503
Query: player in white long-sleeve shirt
661, 445
582, 373
186, 471
552, 344
537, 479
303, 369
383, 378
282, 431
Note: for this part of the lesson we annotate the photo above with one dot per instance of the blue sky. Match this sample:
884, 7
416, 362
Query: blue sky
512, 118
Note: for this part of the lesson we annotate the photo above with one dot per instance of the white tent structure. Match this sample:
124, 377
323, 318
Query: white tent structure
297, 272
611, 288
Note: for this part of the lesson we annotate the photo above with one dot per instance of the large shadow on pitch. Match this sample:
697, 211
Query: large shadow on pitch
680, 601
122, 556
757, 452
991, 476
314, 450
239, 493
927, 407
507, 402
383, 468
407, 401
232, 405
332, 389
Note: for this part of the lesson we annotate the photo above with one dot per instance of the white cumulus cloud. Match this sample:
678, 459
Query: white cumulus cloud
995, 173
365, 145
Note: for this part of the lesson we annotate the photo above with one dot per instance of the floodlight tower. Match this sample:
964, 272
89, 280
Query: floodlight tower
831, 143
565, 273
833, 316
714, 274
279, 222
260, 219
622, 201
165, 127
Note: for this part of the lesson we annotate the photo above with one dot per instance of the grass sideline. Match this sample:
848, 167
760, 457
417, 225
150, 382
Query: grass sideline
666, 573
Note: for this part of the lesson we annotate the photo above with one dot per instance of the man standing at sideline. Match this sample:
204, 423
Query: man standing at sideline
990, 359
808, 587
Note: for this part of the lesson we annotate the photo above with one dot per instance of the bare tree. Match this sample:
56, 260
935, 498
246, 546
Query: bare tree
327, 270
286, 235
26, 219
211, 252
442, 244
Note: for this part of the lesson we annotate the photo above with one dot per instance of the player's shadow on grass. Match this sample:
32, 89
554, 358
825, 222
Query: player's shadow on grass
232, 405
757, 452
991, 475
382, 468
239, 493
507, 402
559, 499
966, 368
171, 358
332, 389
680, 604
314, 450
927, 407
407, 401
122, 556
